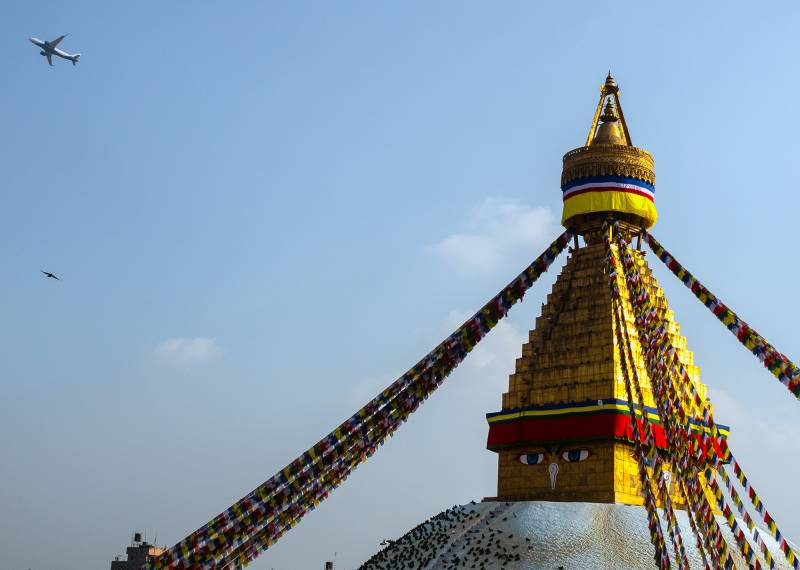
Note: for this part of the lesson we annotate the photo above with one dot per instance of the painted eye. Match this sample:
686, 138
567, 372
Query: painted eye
531, 458
575, 455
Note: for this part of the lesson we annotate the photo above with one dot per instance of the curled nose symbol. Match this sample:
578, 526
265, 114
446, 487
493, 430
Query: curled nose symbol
553, 470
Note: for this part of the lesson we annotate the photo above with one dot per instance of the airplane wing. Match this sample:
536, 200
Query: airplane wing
57, 41
49, 57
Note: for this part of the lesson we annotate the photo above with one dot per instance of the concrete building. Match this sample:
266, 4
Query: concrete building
138, 554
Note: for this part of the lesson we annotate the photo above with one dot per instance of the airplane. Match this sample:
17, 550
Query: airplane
49, 50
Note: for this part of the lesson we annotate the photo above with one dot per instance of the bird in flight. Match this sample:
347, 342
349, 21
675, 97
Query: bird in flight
50, 275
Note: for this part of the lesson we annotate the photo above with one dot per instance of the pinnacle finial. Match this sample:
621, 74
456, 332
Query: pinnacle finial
610, 85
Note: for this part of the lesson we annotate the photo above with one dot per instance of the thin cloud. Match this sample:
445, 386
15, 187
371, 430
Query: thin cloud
179, 351
764, 441
489, 363
497, 352
496, 230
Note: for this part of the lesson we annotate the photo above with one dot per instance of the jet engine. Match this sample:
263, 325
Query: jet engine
42, 53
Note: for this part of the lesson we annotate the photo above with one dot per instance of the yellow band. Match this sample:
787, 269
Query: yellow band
611, 201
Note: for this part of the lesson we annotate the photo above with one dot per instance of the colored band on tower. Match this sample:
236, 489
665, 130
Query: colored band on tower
609, 184
610, 194
586, 421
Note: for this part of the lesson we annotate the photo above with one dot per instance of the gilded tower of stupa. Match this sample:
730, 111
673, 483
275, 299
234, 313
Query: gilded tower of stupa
579, 487
564, 432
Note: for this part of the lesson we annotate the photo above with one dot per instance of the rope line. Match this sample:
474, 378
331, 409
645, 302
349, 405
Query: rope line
780, 366
247, 528
657, 459
777, 363
661, 556
671, 405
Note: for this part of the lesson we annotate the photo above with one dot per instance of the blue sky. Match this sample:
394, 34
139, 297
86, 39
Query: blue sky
264, 212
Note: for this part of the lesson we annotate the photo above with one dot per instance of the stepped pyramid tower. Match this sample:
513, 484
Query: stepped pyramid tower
564, 433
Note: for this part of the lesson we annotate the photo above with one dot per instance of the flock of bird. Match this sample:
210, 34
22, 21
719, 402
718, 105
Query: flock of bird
462, 537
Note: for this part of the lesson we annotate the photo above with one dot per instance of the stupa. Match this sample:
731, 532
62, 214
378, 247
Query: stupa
569, 488
608, 451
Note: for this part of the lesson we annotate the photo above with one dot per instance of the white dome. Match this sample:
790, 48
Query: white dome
541, 535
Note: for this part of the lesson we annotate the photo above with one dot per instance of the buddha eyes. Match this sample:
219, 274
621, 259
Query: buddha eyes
531, 458
575, 455
570, 456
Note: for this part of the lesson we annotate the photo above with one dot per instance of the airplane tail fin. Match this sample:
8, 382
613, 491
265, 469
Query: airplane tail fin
75, 58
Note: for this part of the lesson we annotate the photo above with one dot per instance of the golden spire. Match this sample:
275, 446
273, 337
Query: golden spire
608, 177
609, 93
